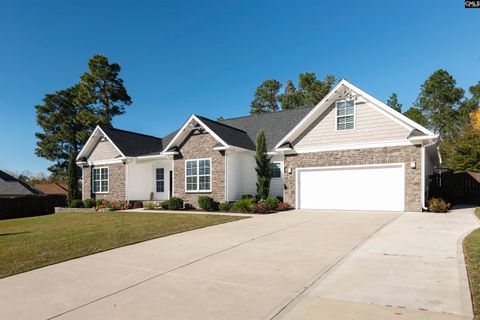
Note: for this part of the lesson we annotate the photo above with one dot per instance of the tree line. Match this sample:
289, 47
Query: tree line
68, 116
441, 106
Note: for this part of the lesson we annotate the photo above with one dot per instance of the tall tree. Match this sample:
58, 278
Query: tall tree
263, 166
393, 103
469, 105
462, 151
291, 98
313, 90
416, 115
265, 98
438, 100
63, 131
102, 89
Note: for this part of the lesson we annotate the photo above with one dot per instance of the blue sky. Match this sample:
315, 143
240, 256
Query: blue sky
207, 57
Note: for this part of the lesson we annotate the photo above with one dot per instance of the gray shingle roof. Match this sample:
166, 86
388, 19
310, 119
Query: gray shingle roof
133, 144
275, 124
12, 186
239, 132
232, 136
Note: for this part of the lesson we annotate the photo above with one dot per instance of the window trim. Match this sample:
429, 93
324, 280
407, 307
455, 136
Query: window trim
337, 116
100, 180
164, 180
198, 176
279, 163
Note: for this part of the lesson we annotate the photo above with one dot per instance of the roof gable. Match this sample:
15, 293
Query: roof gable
343, 90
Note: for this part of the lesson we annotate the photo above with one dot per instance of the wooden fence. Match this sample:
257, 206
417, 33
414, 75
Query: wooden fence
19, 206
456, 188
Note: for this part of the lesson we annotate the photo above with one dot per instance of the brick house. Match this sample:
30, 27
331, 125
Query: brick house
349, 152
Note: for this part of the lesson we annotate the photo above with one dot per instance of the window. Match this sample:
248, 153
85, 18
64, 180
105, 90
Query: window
198, 175
275, 170
100, 180
345, 115
160, 180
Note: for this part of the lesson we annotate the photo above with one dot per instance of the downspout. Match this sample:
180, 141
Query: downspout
126, 182
424, 207
226, 175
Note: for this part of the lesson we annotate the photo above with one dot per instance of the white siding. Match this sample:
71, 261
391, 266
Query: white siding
370, 126
141, 179
104, 150
241, 175
277, 184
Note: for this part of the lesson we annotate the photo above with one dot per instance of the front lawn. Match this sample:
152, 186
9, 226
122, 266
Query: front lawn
471, 246
30, 243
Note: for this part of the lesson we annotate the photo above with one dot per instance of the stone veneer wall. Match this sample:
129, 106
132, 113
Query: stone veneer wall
116, 181
197, 146
405, 154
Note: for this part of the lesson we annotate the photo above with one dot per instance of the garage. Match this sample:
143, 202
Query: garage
366, 187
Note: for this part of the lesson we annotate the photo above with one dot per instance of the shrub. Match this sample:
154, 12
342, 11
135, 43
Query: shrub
246, 196
225, 206
280, 199
272, 203
98, 202
438, 205
188, 206
89, 203
207, 203
243, 205
261, 207
150, 205
75, 203
282, 206
165, 204
175, 204
118, 205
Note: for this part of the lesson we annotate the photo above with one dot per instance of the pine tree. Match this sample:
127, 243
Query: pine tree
263, 166
265, 98
393, 103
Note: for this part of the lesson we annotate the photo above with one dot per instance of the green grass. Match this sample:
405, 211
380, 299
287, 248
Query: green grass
30, 243
471, 247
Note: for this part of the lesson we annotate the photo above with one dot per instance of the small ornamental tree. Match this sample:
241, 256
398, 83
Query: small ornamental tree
262, 168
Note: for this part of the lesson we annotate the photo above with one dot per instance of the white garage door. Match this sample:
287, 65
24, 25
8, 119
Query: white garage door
352, 188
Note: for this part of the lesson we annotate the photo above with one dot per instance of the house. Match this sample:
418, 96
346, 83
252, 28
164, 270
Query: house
349, 152
11, 186
59, 187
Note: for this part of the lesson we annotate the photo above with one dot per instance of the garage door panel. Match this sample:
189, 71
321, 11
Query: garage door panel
355, 188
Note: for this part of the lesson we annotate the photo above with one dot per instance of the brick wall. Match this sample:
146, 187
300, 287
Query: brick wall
196, 146
406, 154
116, 181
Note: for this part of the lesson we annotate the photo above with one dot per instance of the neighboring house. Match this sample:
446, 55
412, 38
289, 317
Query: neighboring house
59, 187
349, 152
10, 186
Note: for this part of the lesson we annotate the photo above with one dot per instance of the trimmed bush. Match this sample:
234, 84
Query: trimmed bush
272, 203
188, 206
175, 204
207, 203
165, 204
282, 206
438, 205
280, 199
225, 206
75, 203
98, 202
247, 196
243, 205
150, 205
89, 203
260, 207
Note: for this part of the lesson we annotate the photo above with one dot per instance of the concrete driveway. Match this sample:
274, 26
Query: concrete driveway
283, 265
